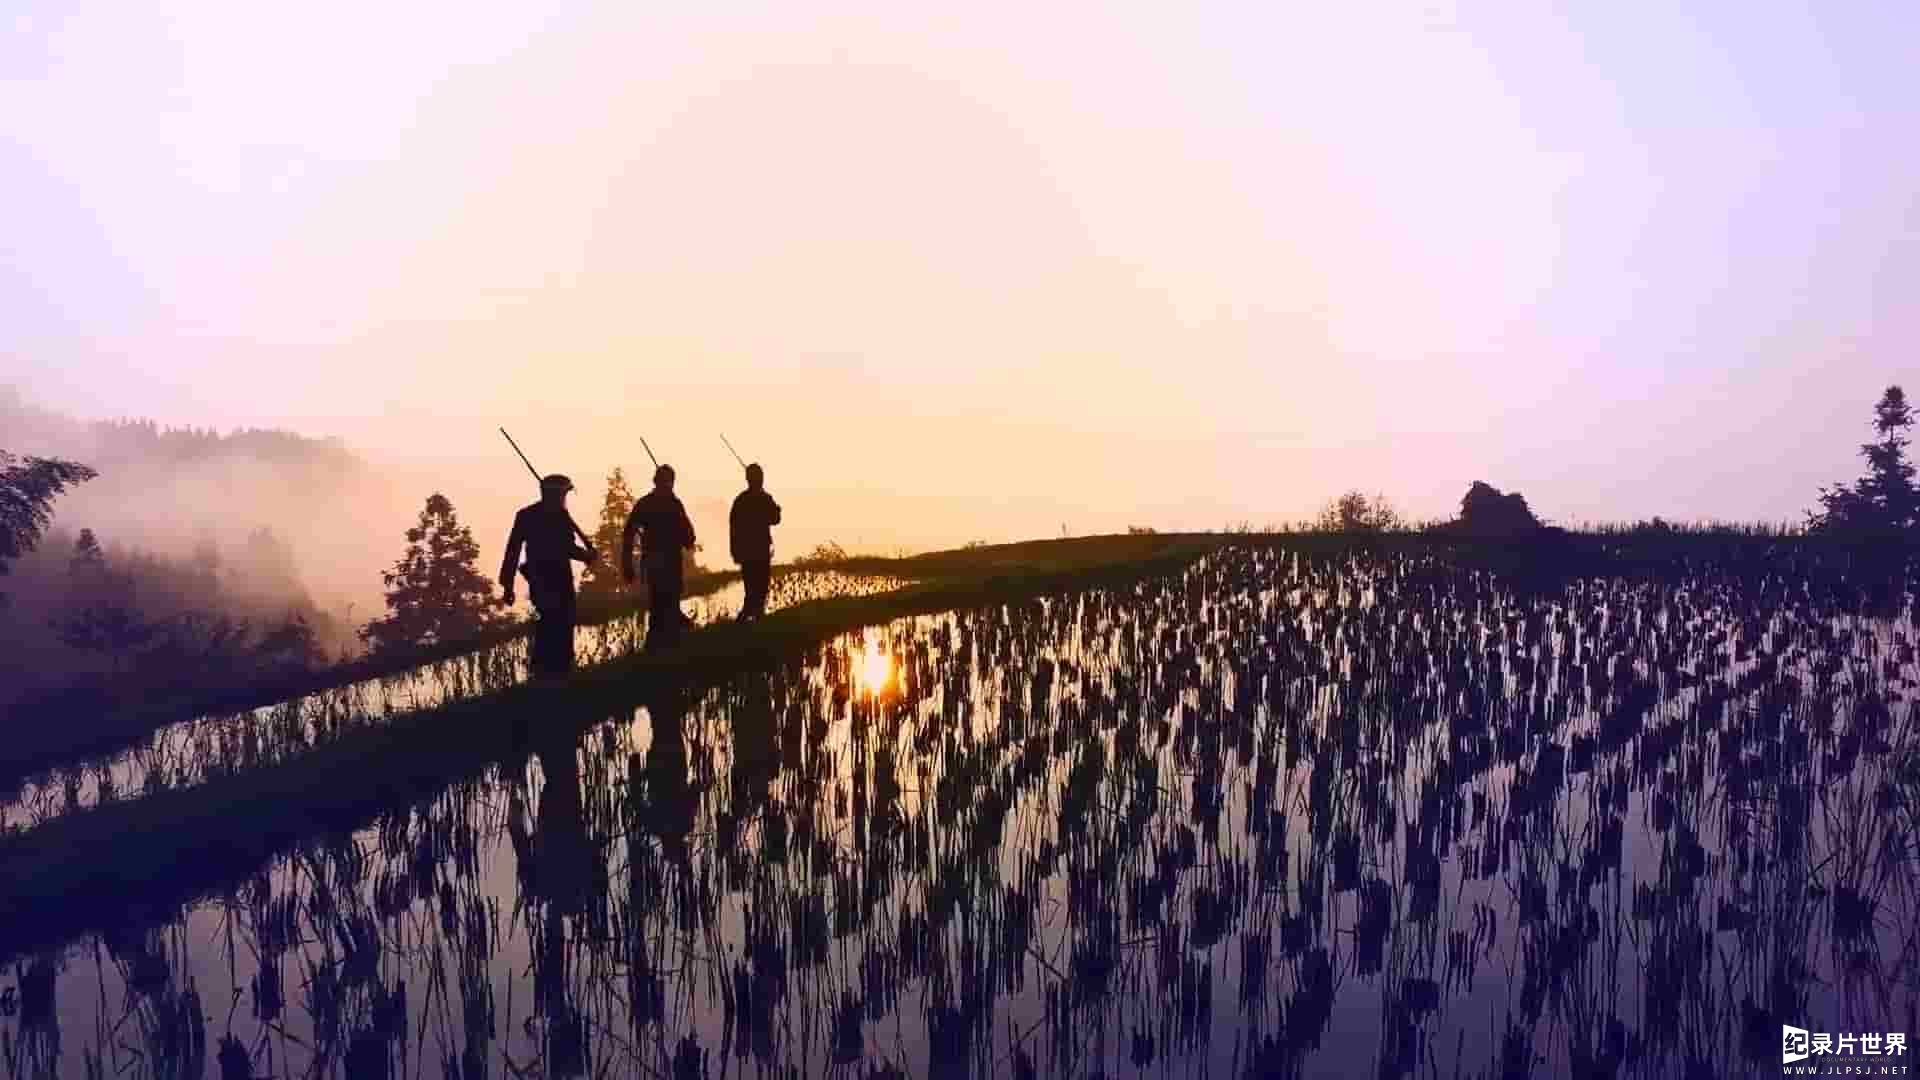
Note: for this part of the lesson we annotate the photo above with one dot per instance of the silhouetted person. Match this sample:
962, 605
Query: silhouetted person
664, 532
548, 533
750, 535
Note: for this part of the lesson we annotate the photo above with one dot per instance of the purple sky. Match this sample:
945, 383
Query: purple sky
1190, 262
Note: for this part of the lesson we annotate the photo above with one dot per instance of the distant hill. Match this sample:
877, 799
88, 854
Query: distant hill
170, 491
29, 429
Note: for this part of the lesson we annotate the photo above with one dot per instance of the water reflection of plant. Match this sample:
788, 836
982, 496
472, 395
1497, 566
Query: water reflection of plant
1630, 829
190, 753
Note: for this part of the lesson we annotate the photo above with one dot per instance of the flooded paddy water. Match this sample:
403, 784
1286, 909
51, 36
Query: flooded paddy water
1276, 815
192, 751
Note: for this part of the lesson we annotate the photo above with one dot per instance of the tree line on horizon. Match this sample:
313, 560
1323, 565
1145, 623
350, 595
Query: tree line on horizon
142, 617
1883, 503
127, 440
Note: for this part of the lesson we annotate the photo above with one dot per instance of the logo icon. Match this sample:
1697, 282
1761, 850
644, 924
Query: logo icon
1793, 1044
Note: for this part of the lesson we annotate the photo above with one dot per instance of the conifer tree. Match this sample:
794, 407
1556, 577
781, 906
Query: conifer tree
602, 578
1884, 500
27, 491
89, 563
435, 591
101, 615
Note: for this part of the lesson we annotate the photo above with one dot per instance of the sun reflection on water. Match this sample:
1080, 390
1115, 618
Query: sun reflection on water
874, 669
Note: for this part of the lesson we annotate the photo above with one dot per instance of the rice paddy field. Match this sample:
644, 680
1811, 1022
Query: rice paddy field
190, 752
1292, 810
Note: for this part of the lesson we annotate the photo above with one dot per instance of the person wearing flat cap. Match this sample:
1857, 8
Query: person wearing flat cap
550, 537
659, 521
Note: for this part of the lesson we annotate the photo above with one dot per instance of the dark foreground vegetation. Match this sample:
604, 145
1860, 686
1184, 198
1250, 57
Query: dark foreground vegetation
1483, 799
245, 814
1309, 806
97, 721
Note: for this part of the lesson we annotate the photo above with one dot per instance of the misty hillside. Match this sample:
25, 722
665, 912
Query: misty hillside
186, 535
106, 445
170, 492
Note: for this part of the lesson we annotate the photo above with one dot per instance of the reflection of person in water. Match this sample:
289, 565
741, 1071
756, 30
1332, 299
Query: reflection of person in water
37, 1052
561, 878
756, 751
670, 800
793, 733
562, 851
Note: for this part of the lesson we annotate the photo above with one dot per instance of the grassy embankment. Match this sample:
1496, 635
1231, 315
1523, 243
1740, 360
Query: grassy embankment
99, 722
85, 869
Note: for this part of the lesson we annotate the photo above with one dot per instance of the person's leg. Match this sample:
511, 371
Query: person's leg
566, 615
672, 619
658, 616
755, 575
540, 651
663, 609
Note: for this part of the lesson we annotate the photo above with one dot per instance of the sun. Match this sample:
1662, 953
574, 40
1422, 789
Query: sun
874, 668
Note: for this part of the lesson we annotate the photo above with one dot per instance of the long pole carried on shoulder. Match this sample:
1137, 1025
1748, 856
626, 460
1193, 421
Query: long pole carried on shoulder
649, 450
731, 450
577, 531
523, 456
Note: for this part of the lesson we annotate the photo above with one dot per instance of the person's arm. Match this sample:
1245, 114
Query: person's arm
774, 509
626, 543
686, 526
736, 520
581, 552
511, 563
